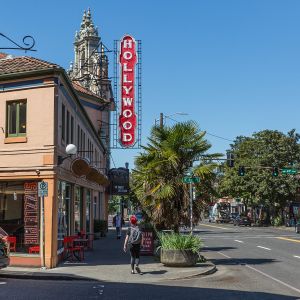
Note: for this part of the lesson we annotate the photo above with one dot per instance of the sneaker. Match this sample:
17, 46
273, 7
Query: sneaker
139, 270
132, 272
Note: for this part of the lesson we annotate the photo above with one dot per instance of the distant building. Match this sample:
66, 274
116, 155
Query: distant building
43, 109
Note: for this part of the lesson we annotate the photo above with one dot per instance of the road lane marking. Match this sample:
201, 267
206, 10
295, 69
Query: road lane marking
273, 278
214, 226
243, 236
264, 248
224, 255
296, 256
286, 239
239, 241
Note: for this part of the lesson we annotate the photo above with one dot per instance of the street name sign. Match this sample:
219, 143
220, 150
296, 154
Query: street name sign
188, 179
289, 171
43, 189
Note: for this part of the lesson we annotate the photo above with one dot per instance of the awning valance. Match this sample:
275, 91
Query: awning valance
81, 167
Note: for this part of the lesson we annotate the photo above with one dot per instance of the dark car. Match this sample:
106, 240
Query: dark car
242, 221
233, 216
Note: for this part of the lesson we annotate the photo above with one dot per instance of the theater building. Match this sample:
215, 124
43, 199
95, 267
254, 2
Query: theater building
43, 109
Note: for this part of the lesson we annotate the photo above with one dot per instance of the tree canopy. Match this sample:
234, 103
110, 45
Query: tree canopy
260, 154
159, 170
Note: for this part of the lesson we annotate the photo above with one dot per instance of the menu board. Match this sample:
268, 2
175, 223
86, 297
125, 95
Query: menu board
31, 214
148, 243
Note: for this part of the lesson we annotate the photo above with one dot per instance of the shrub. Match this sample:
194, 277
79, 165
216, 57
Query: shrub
100, 225
277, 221
175, 241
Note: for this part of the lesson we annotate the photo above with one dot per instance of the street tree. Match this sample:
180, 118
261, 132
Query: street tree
159, 170
260, 154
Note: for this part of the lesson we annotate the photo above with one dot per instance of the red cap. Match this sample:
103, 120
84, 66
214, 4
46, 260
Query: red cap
133, 220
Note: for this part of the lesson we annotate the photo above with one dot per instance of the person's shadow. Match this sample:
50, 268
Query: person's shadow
156, 272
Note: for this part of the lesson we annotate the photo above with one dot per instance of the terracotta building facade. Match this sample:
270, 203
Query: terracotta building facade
44, 109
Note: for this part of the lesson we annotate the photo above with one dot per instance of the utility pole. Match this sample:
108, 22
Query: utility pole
161, 120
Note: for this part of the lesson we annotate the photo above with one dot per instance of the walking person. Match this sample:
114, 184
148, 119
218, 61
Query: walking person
134, 240
118, 224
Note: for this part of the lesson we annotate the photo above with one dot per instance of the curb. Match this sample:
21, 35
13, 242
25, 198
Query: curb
42, 276
213, 269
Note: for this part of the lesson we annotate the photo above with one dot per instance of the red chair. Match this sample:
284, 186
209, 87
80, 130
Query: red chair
70, 250
12, 243
34, 249
82, 234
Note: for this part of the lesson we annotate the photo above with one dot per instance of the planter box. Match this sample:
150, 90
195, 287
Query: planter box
178, 258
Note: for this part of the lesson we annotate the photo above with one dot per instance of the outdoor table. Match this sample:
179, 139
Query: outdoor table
81, 242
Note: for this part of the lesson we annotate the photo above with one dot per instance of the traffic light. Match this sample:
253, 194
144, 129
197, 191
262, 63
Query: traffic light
275, 172
230, 159
241, 171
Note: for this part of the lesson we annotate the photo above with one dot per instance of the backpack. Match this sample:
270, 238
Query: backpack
135, 236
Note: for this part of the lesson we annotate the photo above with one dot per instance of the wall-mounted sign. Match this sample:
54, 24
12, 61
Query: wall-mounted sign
31, 214
127, 118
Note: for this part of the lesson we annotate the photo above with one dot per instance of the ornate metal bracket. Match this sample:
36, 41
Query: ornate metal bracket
28, 42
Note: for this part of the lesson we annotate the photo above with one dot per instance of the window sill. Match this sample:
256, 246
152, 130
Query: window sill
17, 139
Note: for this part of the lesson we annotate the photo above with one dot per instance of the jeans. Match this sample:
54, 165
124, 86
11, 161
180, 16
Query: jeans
118, 229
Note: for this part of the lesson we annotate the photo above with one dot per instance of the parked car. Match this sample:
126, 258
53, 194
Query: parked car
233, 216
223, 218
4, 249
242, 221
211, 219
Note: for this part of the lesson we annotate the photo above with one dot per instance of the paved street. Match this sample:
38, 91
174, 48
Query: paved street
254, 258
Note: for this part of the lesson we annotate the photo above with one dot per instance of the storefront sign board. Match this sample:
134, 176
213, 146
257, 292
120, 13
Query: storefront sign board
148, 243
127, 118
31, 214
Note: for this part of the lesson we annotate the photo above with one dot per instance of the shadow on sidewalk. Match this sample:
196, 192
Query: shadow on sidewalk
108, 251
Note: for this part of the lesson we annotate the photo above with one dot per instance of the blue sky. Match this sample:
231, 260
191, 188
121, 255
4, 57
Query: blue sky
233, 66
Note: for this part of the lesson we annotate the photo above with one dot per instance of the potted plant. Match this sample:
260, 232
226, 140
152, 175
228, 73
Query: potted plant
179, 250
100, 228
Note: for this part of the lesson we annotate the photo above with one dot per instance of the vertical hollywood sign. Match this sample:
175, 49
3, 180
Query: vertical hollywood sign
31, 214
127, 118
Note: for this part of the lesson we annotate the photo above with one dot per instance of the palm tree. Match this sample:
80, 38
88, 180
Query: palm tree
157, 178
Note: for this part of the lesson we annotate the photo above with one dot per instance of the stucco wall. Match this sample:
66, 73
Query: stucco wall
40, 124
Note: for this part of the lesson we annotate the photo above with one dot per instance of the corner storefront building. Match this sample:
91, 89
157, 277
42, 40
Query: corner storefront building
43, 110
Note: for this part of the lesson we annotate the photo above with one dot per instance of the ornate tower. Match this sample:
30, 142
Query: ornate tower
90, 66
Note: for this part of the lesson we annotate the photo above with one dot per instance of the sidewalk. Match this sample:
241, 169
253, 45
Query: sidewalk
108, 262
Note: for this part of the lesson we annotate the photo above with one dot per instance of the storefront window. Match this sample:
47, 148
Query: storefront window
88, 210
19, 213
63, 217
78, 209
